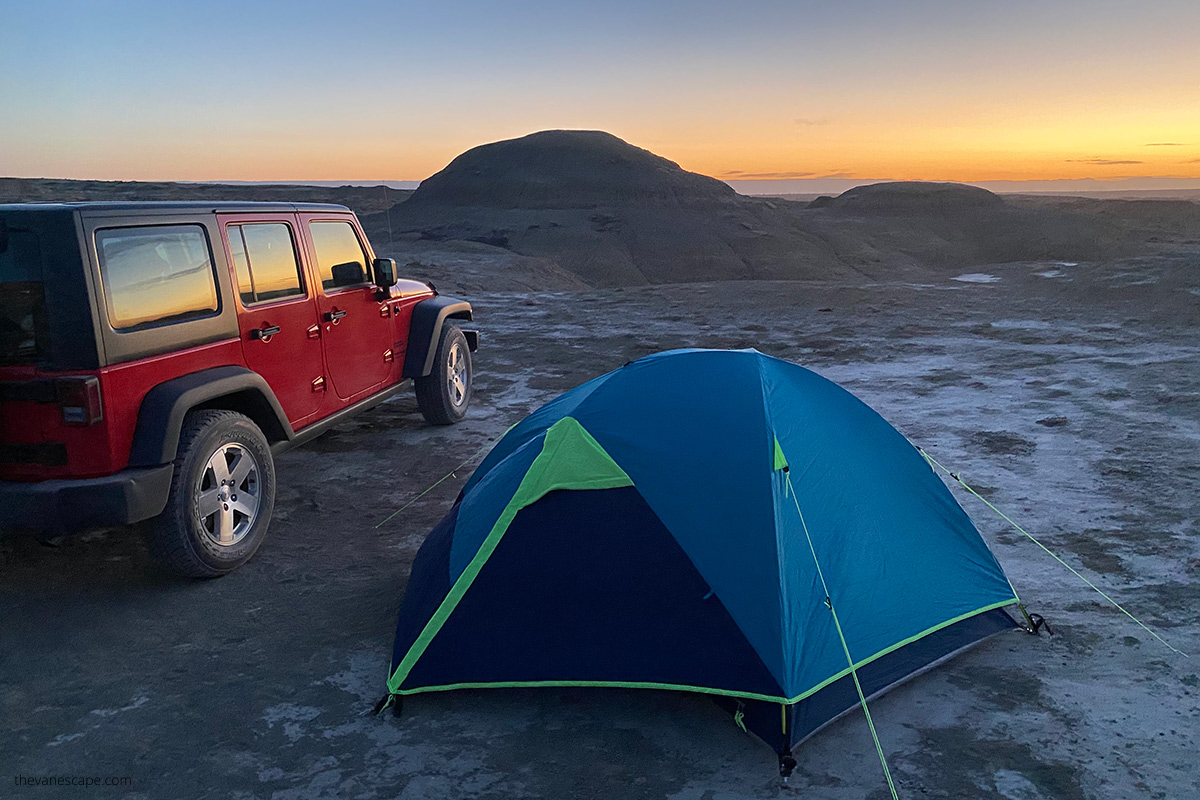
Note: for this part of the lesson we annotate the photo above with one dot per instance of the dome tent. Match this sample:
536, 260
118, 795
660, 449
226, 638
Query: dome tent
689, 522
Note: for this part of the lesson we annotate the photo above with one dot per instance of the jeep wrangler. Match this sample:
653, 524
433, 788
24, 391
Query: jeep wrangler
155, 357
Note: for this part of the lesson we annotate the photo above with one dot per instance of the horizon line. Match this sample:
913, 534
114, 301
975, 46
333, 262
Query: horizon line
754, 186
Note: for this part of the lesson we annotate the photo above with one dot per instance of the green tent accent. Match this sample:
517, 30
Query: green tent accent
780, 459
570, 459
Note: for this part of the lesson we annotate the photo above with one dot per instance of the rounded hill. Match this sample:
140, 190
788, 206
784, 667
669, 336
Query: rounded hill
567, 169
915, 197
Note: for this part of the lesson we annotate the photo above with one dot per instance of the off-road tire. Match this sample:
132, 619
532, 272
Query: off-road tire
440, 401
178, 538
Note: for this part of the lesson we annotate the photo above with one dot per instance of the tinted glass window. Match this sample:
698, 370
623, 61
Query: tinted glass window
340, 258
22, 302
241, 264
154, 274
264, 257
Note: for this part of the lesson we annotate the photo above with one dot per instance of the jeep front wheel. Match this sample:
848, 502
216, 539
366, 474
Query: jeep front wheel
444, 394
222, 495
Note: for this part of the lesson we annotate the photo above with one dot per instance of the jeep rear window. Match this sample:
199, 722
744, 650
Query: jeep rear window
340, 259
264, 258
23, 334
156, 274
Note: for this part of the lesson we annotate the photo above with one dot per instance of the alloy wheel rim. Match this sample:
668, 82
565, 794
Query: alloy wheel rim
456, 375
228, 496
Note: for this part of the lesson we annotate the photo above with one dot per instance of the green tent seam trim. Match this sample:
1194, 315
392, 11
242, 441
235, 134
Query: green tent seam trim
677, 687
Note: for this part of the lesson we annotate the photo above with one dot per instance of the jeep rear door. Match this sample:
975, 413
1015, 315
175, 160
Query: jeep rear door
356, 326
277, 310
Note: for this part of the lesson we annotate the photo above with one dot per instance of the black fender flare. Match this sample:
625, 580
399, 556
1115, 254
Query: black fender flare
160, 417
424, 330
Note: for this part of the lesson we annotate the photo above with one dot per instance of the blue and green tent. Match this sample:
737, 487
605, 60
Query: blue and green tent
710, 521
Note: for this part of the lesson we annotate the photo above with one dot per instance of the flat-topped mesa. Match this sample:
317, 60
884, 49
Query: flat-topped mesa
568, 169
909, 197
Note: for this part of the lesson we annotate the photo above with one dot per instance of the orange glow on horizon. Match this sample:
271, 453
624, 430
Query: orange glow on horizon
726, 161
912, 157
1157, 136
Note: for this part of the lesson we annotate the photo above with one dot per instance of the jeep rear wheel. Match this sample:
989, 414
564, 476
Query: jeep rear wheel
222, 495
444, 394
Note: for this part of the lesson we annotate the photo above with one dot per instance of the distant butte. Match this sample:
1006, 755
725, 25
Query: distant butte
915, 196
617, 215
568, 169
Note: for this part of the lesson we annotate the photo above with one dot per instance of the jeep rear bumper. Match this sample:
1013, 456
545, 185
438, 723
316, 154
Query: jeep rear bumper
61, 506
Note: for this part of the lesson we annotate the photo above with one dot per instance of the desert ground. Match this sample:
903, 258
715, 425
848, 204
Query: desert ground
1068, 393
1045, 348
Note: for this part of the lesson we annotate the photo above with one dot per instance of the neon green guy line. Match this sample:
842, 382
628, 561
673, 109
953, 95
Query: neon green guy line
1020, 605
1031, 538
862, 698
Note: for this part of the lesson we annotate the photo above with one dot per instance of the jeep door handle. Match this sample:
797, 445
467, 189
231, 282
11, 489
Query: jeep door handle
333, 316
264, 333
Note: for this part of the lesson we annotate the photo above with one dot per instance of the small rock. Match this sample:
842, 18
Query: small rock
1053, 422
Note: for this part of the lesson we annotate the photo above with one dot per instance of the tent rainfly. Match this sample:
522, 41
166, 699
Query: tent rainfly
709, 521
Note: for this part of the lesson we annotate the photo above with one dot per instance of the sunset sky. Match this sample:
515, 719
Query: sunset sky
299, 90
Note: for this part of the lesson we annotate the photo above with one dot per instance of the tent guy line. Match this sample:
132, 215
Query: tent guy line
933, 463
862, 698
438, 482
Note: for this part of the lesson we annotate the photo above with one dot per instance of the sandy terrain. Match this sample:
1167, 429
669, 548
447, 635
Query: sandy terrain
1068, 393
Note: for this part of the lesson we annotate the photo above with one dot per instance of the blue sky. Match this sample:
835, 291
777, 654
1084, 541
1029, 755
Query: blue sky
373, 90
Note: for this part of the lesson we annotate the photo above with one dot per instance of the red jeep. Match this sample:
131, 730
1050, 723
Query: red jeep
154, 357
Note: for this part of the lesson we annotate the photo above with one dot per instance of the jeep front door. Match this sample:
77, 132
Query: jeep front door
356, 327
277, 310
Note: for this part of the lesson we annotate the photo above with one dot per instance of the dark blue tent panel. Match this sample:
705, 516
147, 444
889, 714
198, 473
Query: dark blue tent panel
690, 521
652, 620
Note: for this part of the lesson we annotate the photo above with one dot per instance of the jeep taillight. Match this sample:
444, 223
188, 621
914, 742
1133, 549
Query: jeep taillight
79, 399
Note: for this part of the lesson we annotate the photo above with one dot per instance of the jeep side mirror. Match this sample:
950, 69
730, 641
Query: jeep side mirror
385, 272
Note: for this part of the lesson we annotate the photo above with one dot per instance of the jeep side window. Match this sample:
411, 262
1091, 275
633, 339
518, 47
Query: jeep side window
23, 328
264, 257
162, 273
340, 259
